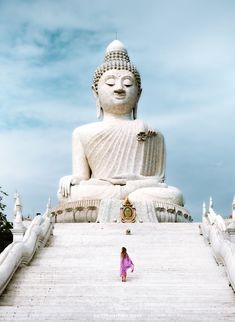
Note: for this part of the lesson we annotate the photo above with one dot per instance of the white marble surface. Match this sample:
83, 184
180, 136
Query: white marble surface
76, 278
120, 155
216, 230
22, 249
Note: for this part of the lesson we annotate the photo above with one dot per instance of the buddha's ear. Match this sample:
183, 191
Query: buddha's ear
99, 111
94, 91
136, 106
135, 112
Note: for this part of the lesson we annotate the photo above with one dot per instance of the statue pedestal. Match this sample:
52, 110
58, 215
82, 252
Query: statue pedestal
108, 211
18, 234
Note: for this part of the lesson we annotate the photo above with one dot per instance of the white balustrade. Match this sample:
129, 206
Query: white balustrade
20, 252
216, 230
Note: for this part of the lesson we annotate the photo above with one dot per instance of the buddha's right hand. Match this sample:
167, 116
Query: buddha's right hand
66, 183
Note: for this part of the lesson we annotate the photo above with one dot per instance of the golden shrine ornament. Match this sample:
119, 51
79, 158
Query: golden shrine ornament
127, 212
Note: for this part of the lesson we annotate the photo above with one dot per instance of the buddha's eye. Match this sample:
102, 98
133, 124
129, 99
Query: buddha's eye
127, 82
110, 82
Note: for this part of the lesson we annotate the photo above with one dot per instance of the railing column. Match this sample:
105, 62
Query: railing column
18, 226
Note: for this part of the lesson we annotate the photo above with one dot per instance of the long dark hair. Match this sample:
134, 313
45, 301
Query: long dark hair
123, 252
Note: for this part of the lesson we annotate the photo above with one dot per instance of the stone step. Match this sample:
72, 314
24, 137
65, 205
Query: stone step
76, 278
150, 313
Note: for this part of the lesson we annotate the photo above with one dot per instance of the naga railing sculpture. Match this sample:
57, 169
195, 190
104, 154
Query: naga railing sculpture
24, 245
220, 233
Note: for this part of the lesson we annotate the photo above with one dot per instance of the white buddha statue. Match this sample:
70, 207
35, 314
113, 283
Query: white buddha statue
119, 156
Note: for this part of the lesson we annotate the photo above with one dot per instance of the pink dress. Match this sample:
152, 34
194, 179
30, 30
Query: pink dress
125, 263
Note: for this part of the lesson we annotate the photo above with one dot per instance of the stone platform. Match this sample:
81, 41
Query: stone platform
108, 211
76, 277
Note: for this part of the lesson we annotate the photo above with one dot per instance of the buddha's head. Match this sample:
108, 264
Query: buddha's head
116, 83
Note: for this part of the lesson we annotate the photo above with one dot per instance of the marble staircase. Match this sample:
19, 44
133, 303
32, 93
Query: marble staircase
76, 277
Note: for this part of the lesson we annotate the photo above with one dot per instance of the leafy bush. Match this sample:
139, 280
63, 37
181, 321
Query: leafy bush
5, 234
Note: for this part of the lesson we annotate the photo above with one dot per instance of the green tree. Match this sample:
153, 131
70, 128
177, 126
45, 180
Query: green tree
5, 226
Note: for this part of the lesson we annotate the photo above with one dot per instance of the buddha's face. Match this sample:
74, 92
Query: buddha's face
118, 91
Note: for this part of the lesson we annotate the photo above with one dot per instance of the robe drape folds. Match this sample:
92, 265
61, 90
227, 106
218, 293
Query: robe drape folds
115, 152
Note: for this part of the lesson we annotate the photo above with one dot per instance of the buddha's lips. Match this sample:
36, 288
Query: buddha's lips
119, 96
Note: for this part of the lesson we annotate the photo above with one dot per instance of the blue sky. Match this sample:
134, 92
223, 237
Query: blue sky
185, 53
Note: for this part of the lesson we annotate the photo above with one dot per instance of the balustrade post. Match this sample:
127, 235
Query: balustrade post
18, 226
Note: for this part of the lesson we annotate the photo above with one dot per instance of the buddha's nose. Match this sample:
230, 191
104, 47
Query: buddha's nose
119, 87
119, 91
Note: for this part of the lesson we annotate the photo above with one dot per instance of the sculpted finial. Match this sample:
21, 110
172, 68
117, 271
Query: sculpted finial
17, 204
18, 220
210, 203
204, 208
233, 208
116, 45
48, 204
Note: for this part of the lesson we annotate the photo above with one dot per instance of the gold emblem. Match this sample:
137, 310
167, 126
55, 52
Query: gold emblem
127, 212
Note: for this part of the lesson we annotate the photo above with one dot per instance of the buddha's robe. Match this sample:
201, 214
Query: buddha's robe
118, 165
114, 152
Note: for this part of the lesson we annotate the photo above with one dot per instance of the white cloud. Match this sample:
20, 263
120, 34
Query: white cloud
34, 160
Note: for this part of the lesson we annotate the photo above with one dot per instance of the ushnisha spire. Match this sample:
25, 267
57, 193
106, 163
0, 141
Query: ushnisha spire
116, 57
116, 51
116, 45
